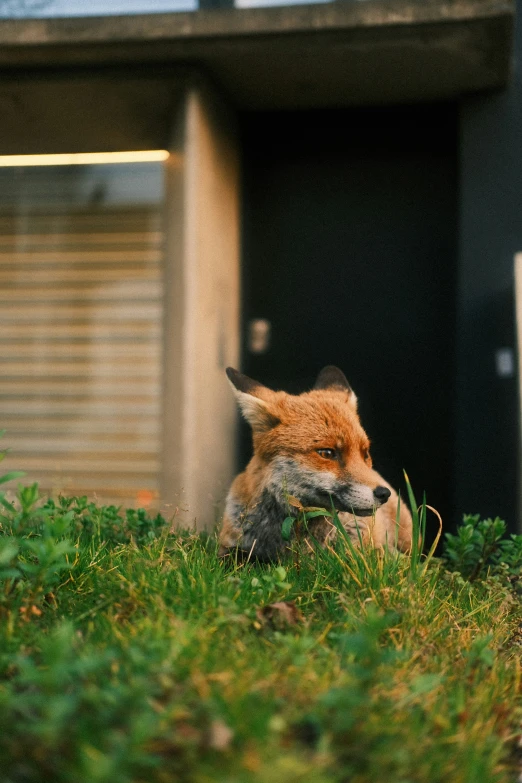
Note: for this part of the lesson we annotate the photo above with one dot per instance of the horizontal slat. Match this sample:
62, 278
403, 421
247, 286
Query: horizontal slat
39, 241
82, 349
56, 443
51, 406
99, 329
61, 256
64, 345
124, 233
94, 480
80, 312
88, 462
127, 372
126, 425
52, 399
98, 276
76, 251
79, 388
56, 291
99, 219
106, 472
115, 234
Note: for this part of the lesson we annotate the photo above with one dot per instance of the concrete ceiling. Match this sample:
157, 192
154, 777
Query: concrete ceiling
107, 74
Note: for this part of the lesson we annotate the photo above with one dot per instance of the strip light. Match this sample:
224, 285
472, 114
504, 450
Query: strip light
84, 158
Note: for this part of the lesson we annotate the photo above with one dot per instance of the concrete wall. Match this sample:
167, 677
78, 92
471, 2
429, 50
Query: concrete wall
487, 436
202, 308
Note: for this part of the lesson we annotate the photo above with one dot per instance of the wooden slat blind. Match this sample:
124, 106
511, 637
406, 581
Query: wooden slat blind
80, 348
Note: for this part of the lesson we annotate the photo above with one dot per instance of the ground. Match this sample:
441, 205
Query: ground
132, 653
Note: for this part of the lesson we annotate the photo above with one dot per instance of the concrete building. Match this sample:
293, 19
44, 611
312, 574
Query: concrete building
342, 186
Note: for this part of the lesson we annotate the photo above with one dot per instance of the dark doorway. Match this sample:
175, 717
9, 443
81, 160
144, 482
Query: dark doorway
350, 244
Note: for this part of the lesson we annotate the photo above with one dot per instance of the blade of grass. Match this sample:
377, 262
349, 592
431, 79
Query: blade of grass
14, 474
416, 544
433, 547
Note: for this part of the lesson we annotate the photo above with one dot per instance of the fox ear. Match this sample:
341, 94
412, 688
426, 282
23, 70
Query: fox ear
249, 395
333, 378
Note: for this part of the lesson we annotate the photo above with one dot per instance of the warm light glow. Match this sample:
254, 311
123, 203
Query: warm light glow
84, 158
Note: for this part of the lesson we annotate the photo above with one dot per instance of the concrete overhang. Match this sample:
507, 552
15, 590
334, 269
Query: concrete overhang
356, 52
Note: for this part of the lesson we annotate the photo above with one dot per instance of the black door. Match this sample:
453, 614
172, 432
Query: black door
350, 253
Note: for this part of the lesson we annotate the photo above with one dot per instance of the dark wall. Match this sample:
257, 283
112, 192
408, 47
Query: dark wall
487, 419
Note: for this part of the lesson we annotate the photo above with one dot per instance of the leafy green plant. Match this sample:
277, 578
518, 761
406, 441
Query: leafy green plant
480, 546
9, 549
40, 540
35, 549
110, 523
70, 714
274, 581
6, 477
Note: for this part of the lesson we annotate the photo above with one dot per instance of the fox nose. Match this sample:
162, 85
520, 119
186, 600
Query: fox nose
381, 494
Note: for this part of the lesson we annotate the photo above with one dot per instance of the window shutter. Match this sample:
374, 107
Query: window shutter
81, 344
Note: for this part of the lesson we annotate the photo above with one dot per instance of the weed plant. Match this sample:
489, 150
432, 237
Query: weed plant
481, 547
131, 653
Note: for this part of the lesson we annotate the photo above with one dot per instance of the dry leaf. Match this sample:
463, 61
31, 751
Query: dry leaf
294, 502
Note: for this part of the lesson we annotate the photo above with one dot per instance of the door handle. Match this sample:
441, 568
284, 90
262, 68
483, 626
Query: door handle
259, 334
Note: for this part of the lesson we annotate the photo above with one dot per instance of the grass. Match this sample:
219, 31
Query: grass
131, 653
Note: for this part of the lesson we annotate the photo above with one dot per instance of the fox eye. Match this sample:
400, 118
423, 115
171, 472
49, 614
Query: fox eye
327, 453
366, 454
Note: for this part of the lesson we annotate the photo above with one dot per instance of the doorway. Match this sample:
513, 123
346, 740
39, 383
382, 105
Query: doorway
349, 248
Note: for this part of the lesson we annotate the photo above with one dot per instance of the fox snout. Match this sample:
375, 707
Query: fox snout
360, 499
381, 494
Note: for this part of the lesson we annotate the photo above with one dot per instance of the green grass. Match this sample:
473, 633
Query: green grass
131, 653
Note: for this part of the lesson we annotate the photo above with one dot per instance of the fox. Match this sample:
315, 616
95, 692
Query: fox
311, 447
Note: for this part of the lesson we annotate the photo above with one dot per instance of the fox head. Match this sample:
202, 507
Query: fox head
312, 445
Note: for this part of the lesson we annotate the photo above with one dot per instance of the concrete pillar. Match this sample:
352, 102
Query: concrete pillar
201, 309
